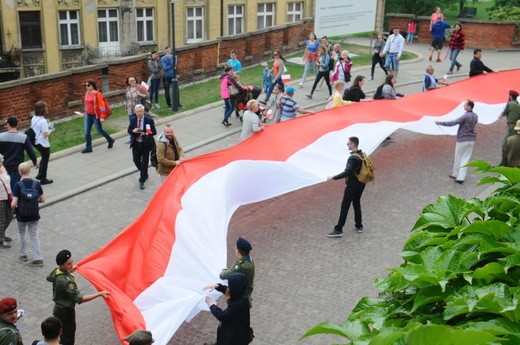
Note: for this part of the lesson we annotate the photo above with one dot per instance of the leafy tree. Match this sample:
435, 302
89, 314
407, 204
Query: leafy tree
460, 279
508, 12
419, 7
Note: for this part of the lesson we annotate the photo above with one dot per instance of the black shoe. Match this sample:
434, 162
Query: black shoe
111, 144
359, 229
86, 151
459, 181
308, 96
8, 239
141, 185
225, 123
459, 65
335, 233
46, 181
36, 263
23, 258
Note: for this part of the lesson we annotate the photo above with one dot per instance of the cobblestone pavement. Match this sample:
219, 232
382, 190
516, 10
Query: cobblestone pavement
302, 278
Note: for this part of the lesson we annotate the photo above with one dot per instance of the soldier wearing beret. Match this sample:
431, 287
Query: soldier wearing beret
244, 264
9, 333
140, 337
65, 295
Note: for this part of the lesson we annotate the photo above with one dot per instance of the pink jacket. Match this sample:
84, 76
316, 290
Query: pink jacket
224, 82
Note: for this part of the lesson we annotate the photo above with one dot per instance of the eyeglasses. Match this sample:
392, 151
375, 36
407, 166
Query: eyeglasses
275, 54
87, 85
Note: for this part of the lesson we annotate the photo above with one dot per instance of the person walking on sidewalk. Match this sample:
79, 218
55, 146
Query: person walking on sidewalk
155, 67
438, 34
310, 56
41, 128
66, 295
6, 212
353, 190
393, 49
169, 152
12, 146
95, 114
379, 46
227, 81
278, 71
466, 136
141, 129
27, 194
323, 67
456, 45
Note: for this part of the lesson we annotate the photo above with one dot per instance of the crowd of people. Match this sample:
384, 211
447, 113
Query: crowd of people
331, 65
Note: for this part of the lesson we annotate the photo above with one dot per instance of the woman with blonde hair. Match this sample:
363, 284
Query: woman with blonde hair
337, 96
251, 121
342, 69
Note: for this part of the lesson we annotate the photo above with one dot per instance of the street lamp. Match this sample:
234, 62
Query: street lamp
175, 83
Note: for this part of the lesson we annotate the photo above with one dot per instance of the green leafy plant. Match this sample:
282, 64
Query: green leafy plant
460, 279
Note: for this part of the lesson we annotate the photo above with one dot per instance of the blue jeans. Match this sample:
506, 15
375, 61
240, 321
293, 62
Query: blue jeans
308, 65
229, 107
154, 90
271, 87
89, 121
453, 58
391, 59
167, 81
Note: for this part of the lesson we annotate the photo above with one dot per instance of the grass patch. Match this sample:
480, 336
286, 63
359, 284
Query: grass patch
71, 133
451, 13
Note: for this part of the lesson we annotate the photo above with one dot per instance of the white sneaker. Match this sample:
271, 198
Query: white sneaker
300, 85
157, 106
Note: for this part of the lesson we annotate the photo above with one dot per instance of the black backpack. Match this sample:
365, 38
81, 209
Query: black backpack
28, 202
379, 92
31, 134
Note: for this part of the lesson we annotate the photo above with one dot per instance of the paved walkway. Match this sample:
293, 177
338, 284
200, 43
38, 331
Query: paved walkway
74, 172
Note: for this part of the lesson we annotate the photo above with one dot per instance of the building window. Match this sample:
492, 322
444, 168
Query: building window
235, 19
195, 23
108, 26
145, 25
294, 11
69, 28
30, 29
265, 15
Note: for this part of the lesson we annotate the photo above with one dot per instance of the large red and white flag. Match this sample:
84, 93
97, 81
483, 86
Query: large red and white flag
156, 268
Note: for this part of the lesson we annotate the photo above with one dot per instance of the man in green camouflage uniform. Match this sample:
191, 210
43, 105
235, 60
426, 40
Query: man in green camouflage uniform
512, 114
65, 295
244, 264
9, 333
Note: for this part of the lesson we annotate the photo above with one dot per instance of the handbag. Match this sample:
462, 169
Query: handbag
9, 195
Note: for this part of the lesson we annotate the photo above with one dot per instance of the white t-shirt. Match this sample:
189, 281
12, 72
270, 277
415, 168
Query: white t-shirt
40, 125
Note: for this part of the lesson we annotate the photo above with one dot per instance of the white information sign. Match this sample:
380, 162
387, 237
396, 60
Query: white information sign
344, 17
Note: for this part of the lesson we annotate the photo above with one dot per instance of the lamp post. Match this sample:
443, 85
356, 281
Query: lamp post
175, 83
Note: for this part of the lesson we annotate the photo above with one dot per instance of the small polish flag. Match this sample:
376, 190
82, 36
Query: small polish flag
144, 86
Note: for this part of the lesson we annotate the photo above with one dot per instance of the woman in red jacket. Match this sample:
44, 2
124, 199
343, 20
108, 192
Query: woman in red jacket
456, 44
95, 113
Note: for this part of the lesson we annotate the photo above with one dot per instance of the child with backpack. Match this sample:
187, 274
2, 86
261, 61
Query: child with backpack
27, 194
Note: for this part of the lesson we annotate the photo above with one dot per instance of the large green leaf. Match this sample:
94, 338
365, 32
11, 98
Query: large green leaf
489, 272
447, 212
494, 326
494, 228
437, 334
330, 328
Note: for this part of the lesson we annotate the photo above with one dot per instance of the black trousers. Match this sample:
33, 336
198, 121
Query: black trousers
352, 195
325, 75
45, 152
141, 157
375, 60
67, 317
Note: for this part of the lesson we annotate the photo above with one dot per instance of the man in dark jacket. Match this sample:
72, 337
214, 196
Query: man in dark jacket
353, 190
141, 130
12, 146
476, 65
235, 322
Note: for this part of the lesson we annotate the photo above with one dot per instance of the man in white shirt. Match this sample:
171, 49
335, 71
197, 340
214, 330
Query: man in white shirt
393, 50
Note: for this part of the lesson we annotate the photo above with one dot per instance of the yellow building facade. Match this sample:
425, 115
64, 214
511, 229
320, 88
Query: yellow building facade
55, 35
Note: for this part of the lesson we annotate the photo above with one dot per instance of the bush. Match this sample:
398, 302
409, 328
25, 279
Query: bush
460, 279
505, 13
